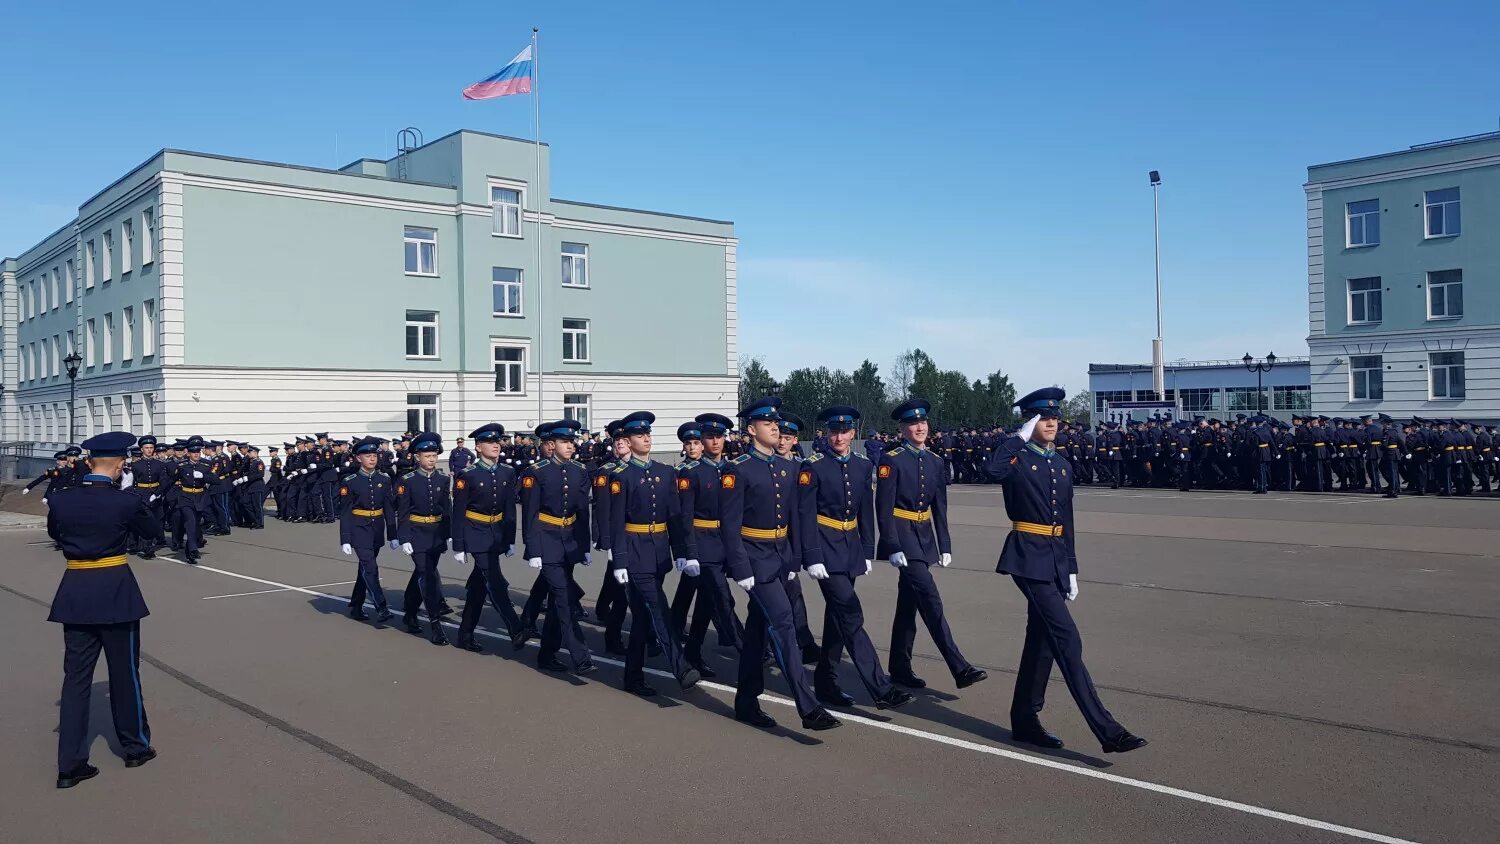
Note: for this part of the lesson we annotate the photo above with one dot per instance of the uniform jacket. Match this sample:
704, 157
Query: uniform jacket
644, 493
367, 509
699, 494
1038, 494
837, 489
94, 521
426, 497
481, 494
912, 481
555, 489
758, 496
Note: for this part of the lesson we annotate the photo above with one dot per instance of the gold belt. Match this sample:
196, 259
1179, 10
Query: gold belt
1264, 445
1320, 445
104, 563
912, 515
424, 520
830, 522
763, 533
654, 527
191, 488
149, 486
557, 521
484, 518
706, 524
370, 514
1039, 529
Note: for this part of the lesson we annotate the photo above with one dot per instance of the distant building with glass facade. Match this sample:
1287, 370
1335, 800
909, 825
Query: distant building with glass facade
1216, 389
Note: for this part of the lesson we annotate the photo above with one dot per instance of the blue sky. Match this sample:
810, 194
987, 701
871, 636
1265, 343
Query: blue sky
969, 178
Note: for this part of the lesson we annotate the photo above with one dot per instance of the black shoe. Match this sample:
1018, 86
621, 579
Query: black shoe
358, 614
445, 610
909, 680
550, 663
467, 643
756, 719
1035, 734
704, 671
412, 626
382, 616
689, 679
148, 555
1124, 743
437, 637
140, 758
893, 699
521, 635
585, 669
969, 676
640, 688
811, 655
68, 779
834, 697
820, 720
193, 560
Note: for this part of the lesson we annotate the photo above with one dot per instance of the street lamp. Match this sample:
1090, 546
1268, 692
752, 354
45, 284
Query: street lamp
71, 362
1158, 366
1258, 367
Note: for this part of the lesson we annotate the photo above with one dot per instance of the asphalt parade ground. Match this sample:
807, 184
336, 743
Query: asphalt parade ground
1307, 668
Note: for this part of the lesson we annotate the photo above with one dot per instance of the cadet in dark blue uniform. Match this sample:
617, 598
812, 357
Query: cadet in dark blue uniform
836, 517
188, 498
555, 528
789, 448
611, 604
100, 607
645, 536
58, 477
422, 526
484, 528
698, 492
1261, 444
1039, 556
367, 518
911, 503
758, 497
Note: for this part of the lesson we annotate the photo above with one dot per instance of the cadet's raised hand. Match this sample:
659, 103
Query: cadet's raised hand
1025, 432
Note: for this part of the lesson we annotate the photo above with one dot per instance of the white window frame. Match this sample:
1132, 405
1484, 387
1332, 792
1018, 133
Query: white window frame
422, 325
107, 340
128, 401
570, 408
90, 344
435, 407
127, 245
519, 284
1445, 285
72, 341
148, 408
1363, 217
1433, 367
148, 328
54, 360
510, 345
423, 244
148, 235
576, 333
1354, 380
579, 264
90, 265
57, 288
127, 334
72, 279
107, 258
1428, 205
498, 220
41, 295
1350, 293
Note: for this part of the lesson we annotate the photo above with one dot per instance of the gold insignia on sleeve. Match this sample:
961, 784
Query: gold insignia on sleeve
601, 482
461, 483
343, 490
528, 482
727, 481
683, 484
804, 478
400, 489
615, 488
885, 472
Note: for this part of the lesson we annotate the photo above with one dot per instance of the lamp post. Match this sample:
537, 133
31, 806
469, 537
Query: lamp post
1259, 367
71, 362
1158, 368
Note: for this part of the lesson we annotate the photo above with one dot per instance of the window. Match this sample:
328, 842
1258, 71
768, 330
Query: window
1244, 399
127, 245
39, 294
510, 369
90, 342
71, 279
1362, 223
1150, 395
575, 265
111, 421
148, 236
1110, 396
1199, 399
107, 259
506, 284
148, 328
72, 343
90, 265
1291, 398
130, 413
107, 343
576, 406
1366, 378
150, 416
127, 334
1364, 300
421, 251
421, 412
96, 422
505, 206
1442, 212
575, 340
54, 361
1445, 294
1447, 375
421, 335
57, 288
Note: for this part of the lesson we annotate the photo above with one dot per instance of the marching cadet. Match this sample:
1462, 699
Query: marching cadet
536, 600
58, 477
758, 494
1465, 462
911, 505
278, 479
1483, 455
189, 495
250, 500
1260, 441
290, 507
645, 536
791, 426
700, 498
367, 517
691, 437
422, 527
836, 518
555, 528
484, 528
150, 478
610, 605
1415, 444
100, 606
1390, 455
1446, 443
1041, 558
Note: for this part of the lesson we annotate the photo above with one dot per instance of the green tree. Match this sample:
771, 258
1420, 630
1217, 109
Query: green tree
755, 379
1001, 394
807, 391
1079, 407
868, 395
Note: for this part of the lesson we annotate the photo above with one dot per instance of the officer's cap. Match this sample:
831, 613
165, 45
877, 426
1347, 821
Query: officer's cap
1046, 402
839, 417
322, 436
427, 442
613, 429
638, 422
766, 407
111, 444
61, 455
714, 424
791, 423
912, 410
216, 443
562, 429
690, 431
1384, 418
146, 440
1239, 416
367, 445
487, 433
274, 448
540, 431
253, 449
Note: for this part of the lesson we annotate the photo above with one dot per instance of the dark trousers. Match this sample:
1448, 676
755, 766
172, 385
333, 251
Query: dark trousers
220, 510
1262, 476
714, 603
541, 590
486, 580
648, 610
1185, 475
844, 626
369, 580
805, 638
770, 619
1051, 636
289, 506
424, 589
185, 526
562, 628
916, 592
610, 594
1393, 473
121, 644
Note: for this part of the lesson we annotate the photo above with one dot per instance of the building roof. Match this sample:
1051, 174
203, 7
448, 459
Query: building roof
1095, 368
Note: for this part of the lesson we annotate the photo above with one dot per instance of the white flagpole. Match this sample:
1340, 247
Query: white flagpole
536, 202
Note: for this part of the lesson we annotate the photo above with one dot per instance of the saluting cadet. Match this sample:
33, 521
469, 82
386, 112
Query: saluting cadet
484, 529
699, 494
911, 509
555, 528
758, 496
100, 607
422, 527
836, 518
1040, 557
367, 517
189, 501
58, 477
791, 426
645, 536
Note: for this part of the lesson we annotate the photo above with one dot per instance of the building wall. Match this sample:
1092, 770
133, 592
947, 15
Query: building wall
1136, 380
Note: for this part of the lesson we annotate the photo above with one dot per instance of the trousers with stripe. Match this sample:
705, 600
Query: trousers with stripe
121, 644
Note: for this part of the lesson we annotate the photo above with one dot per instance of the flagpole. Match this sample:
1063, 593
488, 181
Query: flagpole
536, 201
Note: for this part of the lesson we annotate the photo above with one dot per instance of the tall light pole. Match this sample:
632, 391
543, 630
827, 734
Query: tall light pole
1263, 366
71, 362
1158, 368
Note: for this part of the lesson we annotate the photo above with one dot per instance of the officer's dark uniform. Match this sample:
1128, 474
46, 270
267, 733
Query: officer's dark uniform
277, 483
1260, 441
911, 510
58, 477
100, 607
1039, 556
791, 425
422, 524
698, 492
367, 517
484, 526
610, 605
555, 528
188, 498
253, 490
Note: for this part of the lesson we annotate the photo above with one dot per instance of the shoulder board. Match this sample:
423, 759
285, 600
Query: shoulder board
860, 456
440, 472
687, 464
741, 459
893, 452
407, 475
348, 478
620, 468
817, 455
606, 467
540, 463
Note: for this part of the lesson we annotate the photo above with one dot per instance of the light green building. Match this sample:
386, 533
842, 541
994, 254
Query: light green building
441, 289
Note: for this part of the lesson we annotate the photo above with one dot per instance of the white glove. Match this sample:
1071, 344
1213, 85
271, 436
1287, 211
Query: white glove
510, 551
152, 498
44, 501
1072, 587
691, 568
312, 465
25, 492
1408, 457
535, 562
818, 571
395, 544
622, 576
197, 475
680, 563
1025, 432
945, 559
587, 558
460, 556
346, 548
869, 564
898, 559
450, 543
610, 554
747, 583
407, 549
791, 576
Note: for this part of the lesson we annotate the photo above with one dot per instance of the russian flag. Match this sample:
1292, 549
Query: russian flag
514, 78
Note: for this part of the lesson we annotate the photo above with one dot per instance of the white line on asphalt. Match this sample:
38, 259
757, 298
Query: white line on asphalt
991, 750
269, 591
